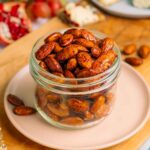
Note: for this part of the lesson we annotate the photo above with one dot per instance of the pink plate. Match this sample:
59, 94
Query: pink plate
130, 113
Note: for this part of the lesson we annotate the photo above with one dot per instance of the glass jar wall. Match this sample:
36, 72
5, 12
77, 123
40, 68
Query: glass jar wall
74, 103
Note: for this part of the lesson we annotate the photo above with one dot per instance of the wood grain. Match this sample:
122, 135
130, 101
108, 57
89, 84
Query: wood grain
15, 56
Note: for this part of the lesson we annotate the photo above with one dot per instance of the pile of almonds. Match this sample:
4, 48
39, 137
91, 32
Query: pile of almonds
76, 53
20, 108
143, 52
75, 110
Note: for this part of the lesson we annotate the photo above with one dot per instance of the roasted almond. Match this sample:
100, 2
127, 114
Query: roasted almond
57, 48
43, 65
87, 35
51, 115
75, 32
71, 64
107, 44
97, 104
68, 74
57, 79
77, 70
104, 61
53, 37
81, 48
144, 51
68, 52
88, 116
83, 73
52, 97
66, 39
94, 95
53, 64
44, 50
41, 91
134, 61
72, 121
103, 111
58, 109
24, 110
96, 51
84, 60
129, 49
14, 100
78, 105
84, 42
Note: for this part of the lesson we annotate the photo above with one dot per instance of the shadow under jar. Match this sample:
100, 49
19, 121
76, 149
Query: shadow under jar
74, 103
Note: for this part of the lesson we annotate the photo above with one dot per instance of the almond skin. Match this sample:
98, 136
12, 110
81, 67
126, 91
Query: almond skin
24, 110
129, 49
75, 32
107, 44
53, 37
71, 64
97, 104
72, 121
134, 61
68, 74
43, 65
103, 111
66, 39
14, 100
88, 115
96, 51
57, 48
51, 115
87, 35
44, 50
84, 60
53, 64
84, 42
68, 52
52, 97
60, 75
104, 61
78, 105
83, 73
58, 110
144, 51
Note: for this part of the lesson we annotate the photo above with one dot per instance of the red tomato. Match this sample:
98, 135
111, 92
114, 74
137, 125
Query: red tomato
55, 5
41, 9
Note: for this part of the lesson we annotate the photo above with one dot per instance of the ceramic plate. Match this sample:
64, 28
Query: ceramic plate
130, 113
124, 8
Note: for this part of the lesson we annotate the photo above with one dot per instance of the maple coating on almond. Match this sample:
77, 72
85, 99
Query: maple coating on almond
76, 48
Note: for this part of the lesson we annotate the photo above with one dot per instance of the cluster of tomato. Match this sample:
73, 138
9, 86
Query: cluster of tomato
43, 8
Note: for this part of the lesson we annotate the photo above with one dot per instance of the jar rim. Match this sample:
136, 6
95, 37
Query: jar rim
102, 75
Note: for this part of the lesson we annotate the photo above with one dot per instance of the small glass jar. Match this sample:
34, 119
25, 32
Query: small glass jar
74, 103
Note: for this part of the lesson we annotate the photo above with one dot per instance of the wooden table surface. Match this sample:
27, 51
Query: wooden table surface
15, 56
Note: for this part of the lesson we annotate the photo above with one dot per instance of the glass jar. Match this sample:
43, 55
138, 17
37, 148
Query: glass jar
74, 103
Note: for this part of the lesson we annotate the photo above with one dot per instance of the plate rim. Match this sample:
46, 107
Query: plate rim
113, 12
127, 136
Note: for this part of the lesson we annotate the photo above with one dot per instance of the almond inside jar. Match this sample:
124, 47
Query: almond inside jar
74, 64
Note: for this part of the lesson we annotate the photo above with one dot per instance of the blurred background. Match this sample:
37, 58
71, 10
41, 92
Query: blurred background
20, 17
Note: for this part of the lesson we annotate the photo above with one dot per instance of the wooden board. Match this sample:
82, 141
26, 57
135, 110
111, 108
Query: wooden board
15, 56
